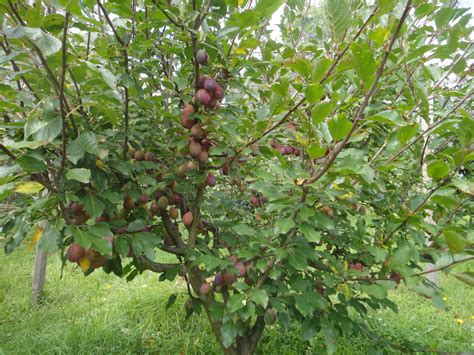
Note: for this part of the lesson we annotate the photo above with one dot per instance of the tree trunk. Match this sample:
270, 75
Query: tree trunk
244, 345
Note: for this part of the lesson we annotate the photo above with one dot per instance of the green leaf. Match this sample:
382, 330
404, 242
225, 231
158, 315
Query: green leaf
307, 302
217, 311
390, 117
268, 7
228, 333
93, 206
422, 93
443, 15
315, 151
374, 290
50, 131
31, 165
83, 238
243, 229
320, 68
297, 262
284, 225
455, 242
437, 169
47, 44
405, 133
49, 241
302, 67
81, 175
363, 63
136, 225
236, 302
330, 337
104, 247
9, 171
171, 300
88, 142
320, 111
260, 297
314, 93
339, 126
310, 233
75, 151
467, 277
338, 16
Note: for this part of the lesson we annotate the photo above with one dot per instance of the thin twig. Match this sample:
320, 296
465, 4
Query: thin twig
367, 98
430, 128
443, 267
61, 93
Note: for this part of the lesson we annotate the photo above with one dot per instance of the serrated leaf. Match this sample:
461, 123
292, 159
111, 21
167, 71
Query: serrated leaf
236, 302
315, 151
339, 126
243, 229
405, 133
260, 297
30, 164
80, 174
363, 63
338, 16
455, 242
47, 44
83, 238
302, 67
93, 206
437, 169
284, 225
320, 68
49, 241
314, 93
320, 111
310, 233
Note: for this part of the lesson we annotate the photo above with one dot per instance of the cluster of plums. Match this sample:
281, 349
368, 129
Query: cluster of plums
208, 94
227, 277
77, 214
140, 155
285, 149
257, 200
75, 253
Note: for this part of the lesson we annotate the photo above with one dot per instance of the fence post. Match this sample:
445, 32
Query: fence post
39, 277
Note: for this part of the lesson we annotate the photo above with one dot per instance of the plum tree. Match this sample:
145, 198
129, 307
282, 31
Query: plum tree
344, 145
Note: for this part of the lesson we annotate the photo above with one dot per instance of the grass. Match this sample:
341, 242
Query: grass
104, 314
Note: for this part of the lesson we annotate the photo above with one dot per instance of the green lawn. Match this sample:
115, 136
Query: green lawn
104, 314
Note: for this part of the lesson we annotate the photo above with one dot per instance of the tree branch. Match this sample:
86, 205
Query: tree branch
303, 100
171, 230
430, 128
155, 266
44, 63
193, 229
443, 267
126, 93
61, 94
360, 112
